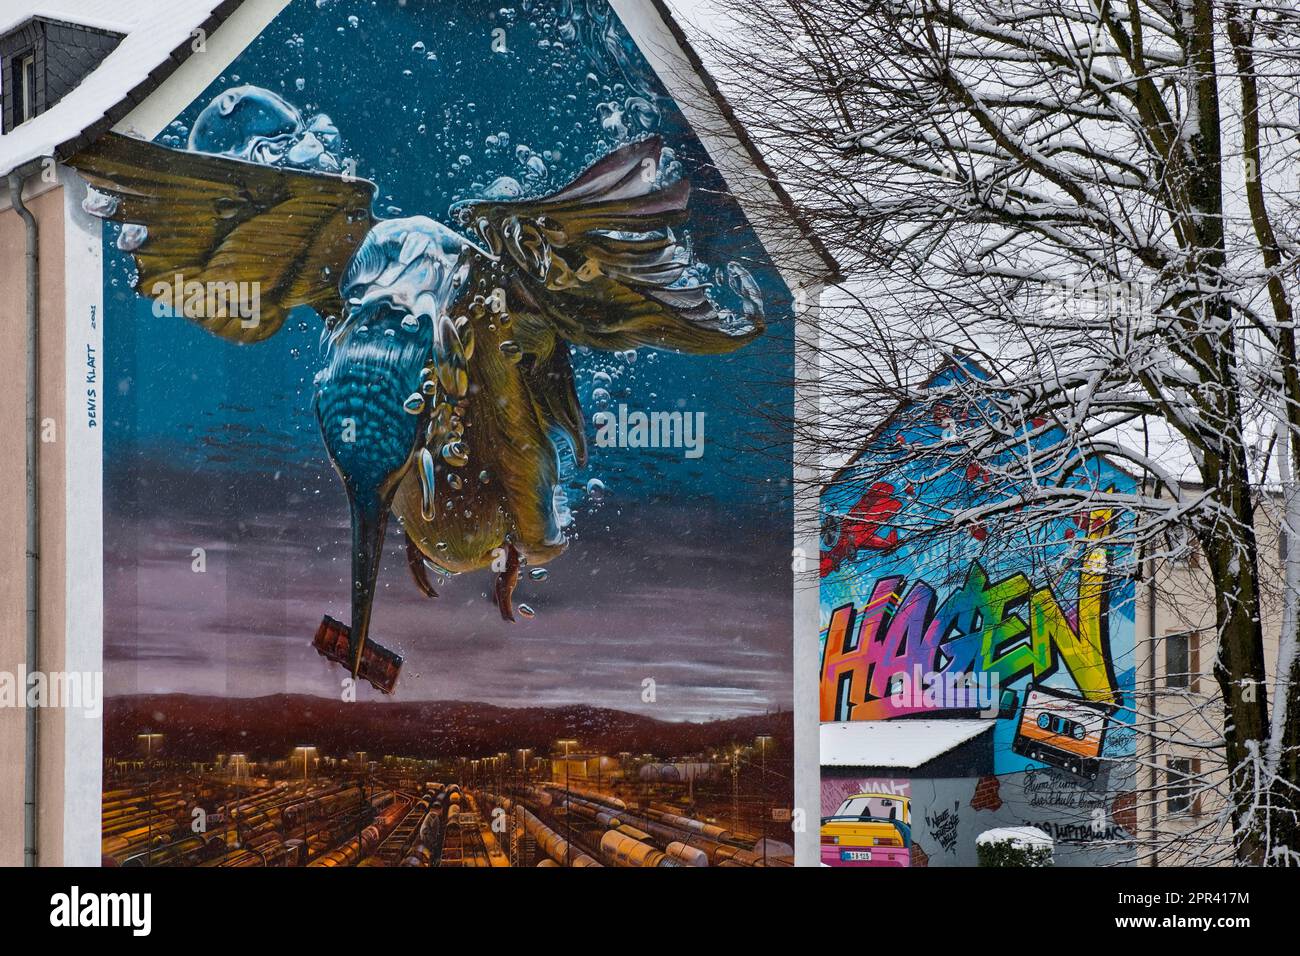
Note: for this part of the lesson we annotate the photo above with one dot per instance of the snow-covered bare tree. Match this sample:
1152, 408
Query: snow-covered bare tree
1098, 201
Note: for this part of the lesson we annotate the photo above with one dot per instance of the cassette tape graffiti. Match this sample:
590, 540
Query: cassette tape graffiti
1060, 730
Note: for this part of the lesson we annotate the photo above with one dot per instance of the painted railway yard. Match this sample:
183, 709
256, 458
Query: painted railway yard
388, 820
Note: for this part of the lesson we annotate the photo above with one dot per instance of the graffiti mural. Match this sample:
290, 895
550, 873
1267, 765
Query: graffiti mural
905, 632
1032, 631
1090, 825
415, 316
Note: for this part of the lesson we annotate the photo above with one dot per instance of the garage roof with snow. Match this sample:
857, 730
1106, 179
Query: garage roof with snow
896, 744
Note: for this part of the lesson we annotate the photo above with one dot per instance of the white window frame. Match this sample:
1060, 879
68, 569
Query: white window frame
25, 106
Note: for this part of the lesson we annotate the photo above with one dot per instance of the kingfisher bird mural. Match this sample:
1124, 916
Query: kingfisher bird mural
448, 385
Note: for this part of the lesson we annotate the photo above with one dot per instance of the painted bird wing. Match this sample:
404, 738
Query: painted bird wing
599, 259
213, 219
598, 264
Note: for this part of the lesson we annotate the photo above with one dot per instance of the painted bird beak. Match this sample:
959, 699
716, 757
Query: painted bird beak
369, 522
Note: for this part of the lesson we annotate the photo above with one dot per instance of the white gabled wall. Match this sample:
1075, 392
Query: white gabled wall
794, 259
193, 76
84, 381
84, 531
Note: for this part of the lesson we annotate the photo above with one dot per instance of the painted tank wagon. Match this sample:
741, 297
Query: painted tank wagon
554, 845
687, 855
189, 851
620, 849
316, 808
708, 830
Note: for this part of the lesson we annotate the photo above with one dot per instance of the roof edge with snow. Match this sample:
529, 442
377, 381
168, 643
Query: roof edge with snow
807, 234
123, 80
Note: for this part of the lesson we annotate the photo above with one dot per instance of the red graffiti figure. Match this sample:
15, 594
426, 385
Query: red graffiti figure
862, 526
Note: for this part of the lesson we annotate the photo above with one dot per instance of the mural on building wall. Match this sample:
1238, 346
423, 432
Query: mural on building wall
476, 253
1089, 825
1032, 630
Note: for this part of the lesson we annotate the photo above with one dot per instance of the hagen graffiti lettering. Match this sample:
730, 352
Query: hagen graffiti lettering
1007, 628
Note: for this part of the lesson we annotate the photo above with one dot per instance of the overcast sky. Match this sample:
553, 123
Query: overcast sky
694, 599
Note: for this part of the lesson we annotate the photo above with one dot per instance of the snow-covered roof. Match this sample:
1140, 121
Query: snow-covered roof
903, 744
157, 37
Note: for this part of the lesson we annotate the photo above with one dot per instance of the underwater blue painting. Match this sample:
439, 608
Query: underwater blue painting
447, 455
676, 566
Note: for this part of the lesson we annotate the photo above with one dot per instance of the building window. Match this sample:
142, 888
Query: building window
1178, 660
27, 87
1178, 786
21, 77
44, 59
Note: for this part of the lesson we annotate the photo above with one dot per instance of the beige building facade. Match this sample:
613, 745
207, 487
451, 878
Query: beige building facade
1183, 813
